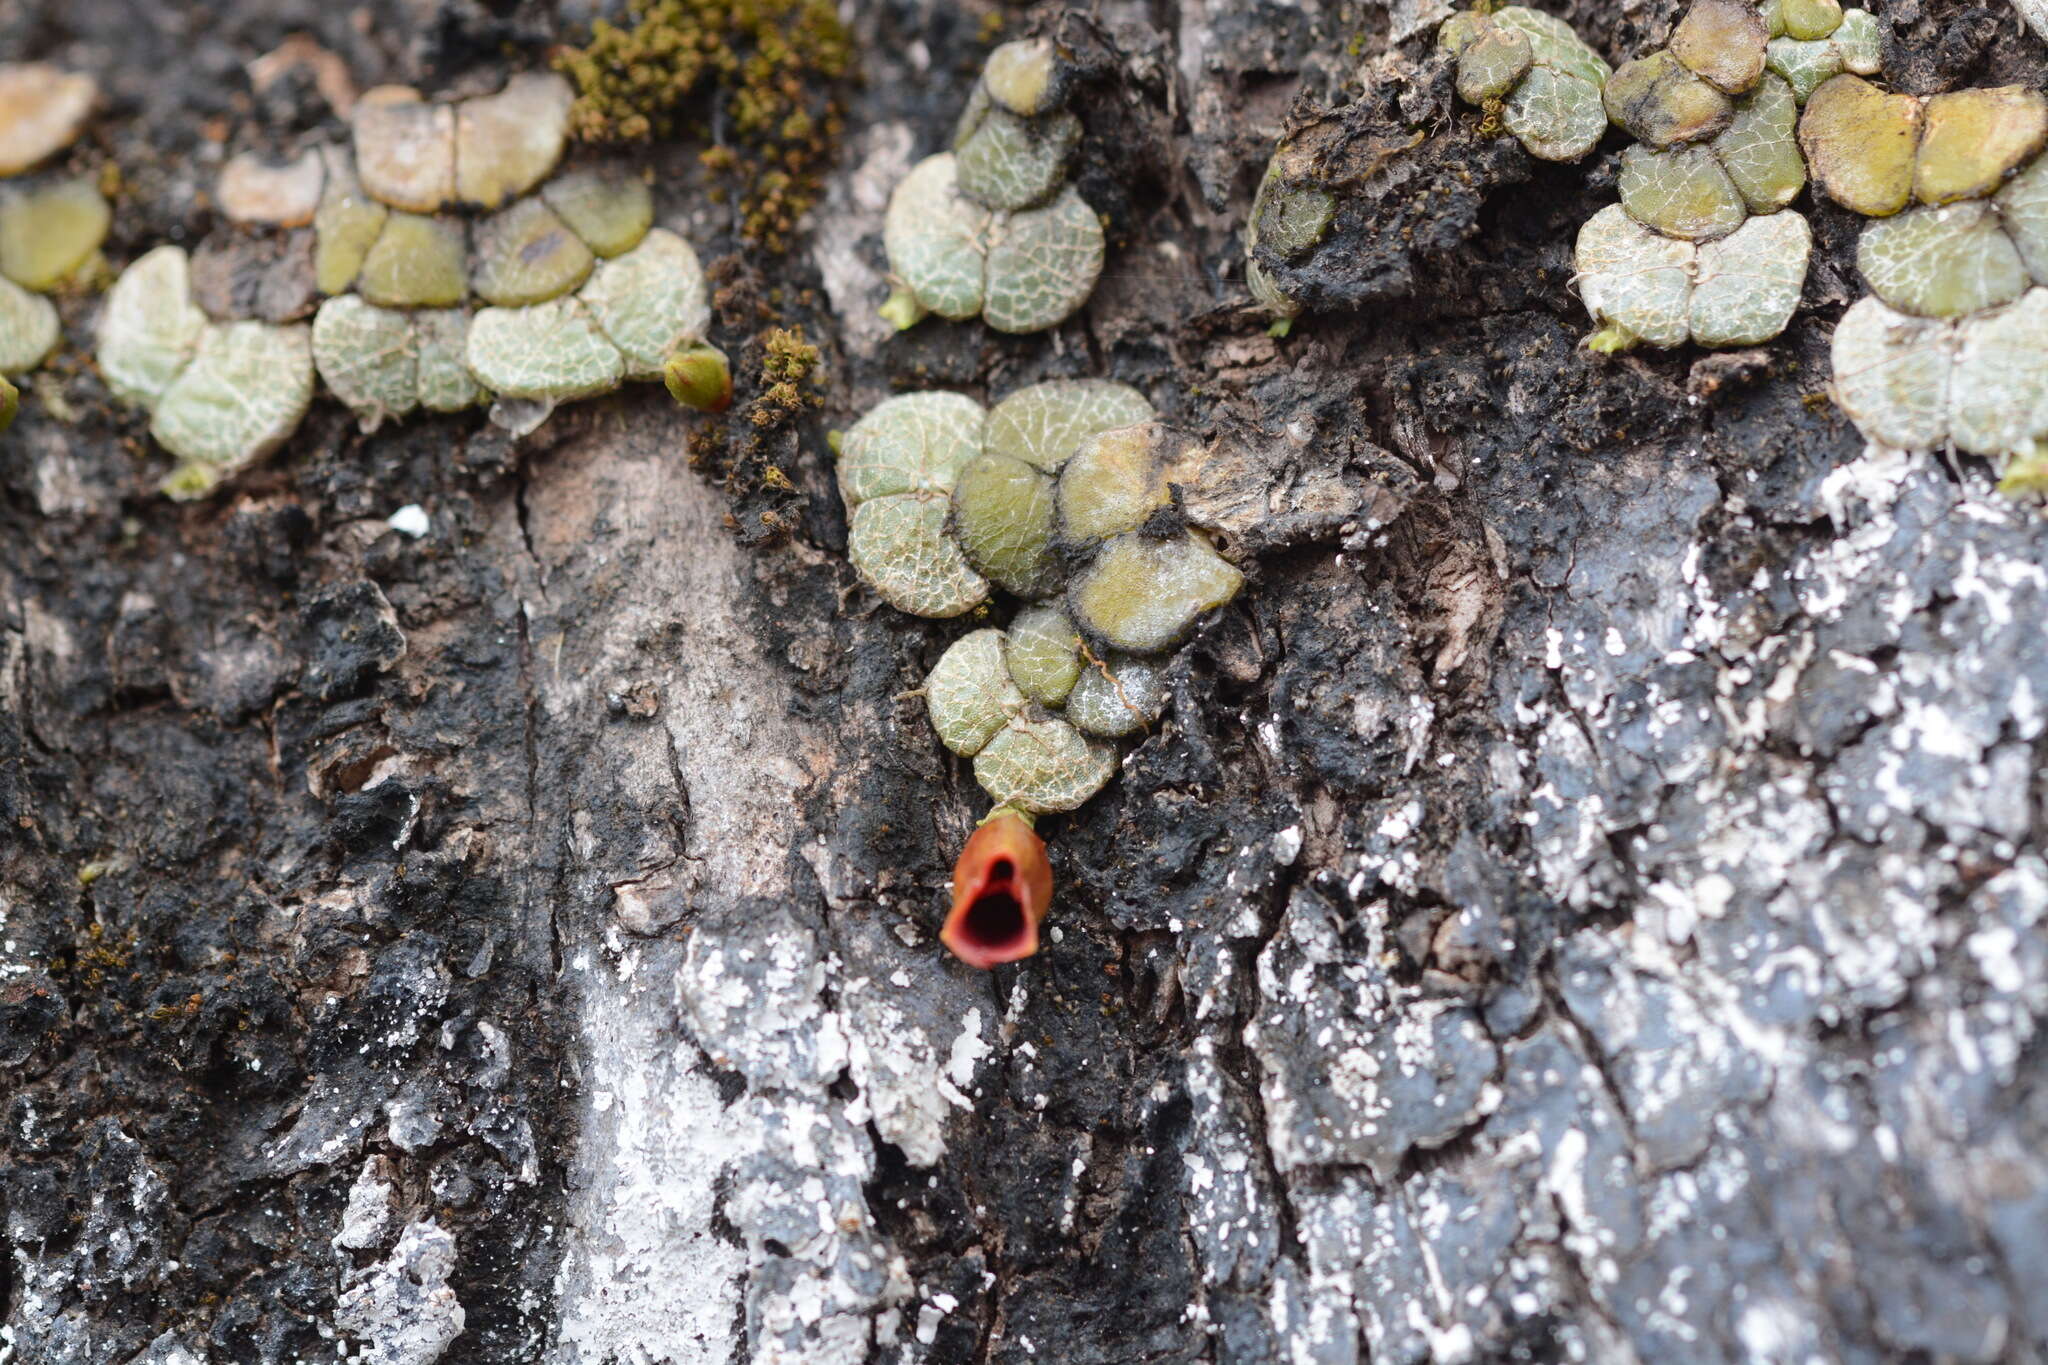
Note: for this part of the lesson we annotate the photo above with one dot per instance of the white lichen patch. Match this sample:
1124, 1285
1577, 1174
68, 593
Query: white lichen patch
969, 694
507, 143
552, 351
149, 326
1641, 286
42, 111
254, 189
28, 329
651, 301
243, 394
367, 357
1043, 766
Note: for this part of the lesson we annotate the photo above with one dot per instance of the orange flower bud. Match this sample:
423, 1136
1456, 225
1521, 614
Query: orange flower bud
1001, 887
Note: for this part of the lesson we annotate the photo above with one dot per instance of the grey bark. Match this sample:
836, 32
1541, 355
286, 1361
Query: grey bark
1586, 901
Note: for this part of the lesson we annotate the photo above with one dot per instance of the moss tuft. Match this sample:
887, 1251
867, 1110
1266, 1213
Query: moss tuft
771, 65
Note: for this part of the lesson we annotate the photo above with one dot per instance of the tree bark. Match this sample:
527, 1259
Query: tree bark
1586, 899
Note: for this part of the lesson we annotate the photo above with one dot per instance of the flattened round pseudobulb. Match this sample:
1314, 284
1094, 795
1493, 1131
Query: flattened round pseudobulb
149, 327
1043, 652
1760, 148
367, 357
912, 443
1043, 766
1656, 100
1860, 144
651, 301
1491, 62
969, 694
1002, 519
526, 254
1023, 76
242, 396
1942, 262
1722, 42
506, 143
1042, 264
345, 226
900, 546
610, 208
551, 351
254, 189
1892, 374
1046, 423
1142, 595
48, 233
1683, 192
1118, 697
405, 148
416, 262
1633, 280
42, 111
1747, 285
1971, 140
28, 328
937, 238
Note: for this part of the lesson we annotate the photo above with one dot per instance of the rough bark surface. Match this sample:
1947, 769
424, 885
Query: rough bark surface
1586, 901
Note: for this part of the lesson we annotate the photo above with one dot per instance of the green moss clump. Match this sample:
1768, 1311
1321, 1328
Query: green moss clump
774, 66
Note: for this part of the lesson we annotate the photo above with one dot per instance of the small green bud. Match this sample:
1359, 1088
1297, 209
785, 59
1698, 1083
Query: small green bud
2026, 476
901, 309
699, 377
10, 403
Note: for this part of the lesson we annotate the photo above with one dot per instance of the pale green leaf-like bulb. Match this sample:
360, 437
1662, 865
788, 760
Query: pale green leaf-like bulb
48, 234
245, 391
1546, 78
1972, 140
1003, 522
525, 254
1043, 766
367, 358
1655, 99
1723, 43
1118, 697
29, 329
552, 351
969, 694
149, 326
1942, 262
1118, 480
1042, 264
651, 301
897, 470
1142, 595
608, 207
1046, 423
1682, 192
1043, 652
